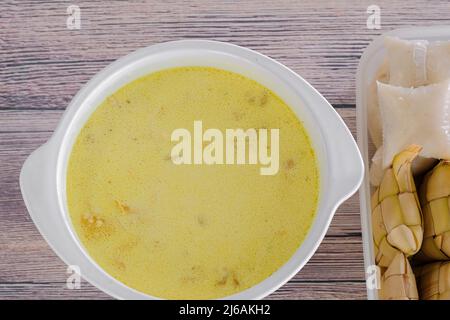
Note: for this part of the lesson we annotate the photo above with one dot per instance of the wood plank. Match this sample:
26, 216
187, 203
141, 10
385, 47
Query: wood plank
322, 41
49, 290
294, 290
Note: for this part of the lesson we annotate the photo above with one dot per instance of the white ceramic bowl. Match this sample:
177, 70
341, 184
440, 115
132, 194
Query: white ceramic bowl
43, 175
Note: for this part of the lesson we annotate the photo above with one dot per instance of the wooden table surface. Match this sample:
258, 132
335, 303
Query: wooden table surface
43, 64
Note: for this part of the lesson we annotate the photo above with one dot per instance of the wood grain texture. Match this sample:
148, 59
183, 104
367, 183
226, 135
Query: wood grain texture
43, 65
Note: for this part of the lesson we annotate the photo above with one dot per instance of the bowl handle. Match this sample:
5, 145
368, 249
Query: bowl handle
344, 155
38, 187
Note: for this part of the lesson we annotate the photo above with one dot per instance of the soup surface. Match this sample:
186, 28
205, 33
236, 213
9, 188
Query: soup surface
189, 231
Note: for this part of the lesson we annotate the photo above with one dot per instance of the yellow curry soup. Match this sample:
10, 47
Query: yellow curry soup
189, 231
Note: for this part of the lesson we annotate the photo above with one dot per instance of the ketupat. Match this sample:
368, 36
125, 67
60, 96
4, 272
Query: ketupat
433, 281
396, 213
398, 282
435, 200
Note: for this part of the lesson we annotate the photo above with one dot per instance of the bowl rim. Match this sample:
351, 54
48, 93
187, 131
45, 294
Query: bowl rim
57, 148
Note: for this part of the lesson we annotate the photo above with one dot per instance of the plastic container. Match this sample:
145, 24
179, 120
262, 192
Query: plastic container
370, 61
43, 176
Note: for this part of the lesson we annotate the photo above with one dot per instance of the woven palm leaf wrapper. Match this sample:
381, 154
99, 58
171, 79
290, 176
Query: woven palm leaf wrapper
433, 281
435, 199
398, 282
396, 213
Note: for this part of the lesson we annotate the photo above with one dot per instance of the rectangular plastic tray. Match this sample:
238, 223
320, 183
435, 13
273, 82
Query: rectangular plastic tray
369, 63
